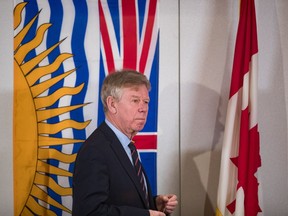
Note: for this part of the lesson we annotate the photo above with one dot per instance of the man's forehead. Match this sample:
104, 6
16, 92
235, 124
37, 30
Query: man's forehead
134, 88
134, 92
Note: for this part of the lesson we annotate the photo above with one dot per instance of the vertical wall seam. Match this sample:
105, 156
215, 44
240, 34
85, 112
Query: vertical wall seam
179, 107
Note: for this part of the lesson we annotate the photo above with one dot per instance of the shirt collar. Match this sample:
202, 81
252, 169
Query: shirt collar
124, 140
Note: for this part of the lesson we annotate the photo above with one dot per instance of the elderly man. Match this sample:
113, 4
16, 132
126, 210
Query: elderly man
108, 177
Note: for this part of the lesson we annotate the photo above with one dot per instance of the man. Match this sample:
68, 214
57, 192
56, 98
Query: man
106, 177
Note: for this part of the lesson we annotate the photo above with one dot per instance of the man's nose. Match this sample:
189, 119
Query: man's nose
143, 107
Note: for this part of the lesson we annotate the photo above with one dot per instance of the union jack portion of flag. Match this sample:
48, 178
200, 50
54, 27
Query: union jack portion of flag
62, 52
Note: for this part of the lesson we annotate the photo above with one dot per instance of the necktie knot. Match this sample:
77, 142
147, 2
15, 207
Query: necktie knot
132, 147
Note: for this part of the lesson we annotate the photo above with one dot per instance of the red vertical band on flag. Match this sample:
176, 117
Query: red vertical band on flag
106, 40
246, 44
148, 35
129, 34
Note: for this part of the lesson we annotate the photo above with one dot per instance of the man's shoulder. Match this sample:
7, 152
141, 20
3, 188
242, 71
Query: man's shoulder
102, 131
96, 142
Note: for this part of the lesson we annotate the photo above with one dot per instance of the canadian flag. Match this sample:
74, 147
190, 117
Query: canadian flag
238, 184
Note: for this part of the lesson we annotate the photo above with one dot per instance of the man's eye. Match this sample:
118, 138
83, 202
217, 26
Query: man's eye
135, 100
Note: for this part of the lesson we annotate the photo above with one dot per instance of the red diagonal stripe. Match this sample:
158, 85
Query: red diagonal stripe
106, 40
148, 35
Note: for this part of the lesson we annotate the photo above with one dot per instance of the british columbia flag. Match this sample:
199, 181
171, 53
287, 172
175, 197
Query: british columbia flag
63, 50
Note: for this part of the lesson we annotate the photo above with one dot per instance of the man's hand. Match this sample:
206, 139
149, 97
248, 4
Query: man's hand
166, 203
156, 213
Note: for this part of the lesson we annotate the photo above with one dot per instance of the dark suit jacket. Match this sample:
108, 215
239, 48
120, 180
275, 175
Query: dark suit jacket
105, 181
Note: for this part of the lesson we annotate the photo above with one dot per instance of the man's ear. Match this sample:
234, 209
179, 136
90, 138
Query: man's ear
111, 104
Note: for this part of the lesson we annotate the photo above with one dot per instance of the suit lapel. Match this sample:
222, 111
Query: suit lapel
124, 160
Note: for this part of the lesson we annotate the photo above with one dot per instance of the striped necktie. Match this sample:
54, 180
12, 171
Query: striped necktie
139, 169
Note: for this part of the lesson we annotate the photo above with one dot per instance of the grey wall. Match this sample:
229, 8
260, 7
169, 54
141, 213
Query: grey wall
195, 73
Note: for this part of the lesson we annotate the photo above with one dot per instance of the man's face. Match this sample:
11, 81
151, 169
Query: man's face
132, 110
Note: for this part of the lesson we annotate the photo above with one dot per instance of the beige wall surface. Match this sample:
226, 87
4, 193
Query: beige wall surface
196, 54
207, 33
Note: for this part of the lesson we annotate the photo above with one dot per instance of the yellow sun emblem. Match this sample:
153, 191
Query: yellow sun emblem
32, 132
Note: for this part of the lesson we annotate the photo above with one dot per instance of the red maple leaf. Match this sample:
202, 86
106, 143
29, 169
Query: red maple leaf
248, 161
